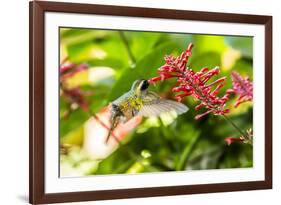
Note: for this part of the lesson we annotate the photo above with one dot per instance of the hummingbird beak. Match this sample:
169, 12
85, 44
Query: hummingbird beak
151, 82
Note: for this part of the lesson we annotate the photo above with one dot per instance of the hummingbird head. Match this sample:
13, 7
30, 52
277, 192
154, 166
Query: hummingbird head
140, 85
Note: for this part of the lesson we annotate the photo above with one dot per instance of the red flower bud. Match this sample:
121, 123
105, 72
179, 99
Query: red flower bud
230, 140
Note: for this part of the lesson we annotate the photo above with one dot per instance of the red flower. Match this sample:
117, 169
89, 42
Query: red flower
230, 140
241, 86
73, 95
69, 70
194, 84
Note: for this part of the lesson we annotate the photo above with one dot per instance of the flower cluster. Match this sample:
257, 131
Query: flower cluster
74, 96
241, 86
194, 84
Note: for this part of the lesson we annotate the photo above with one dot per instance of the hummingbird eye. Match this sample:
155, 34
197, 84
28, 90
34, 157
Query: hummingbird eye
144, 85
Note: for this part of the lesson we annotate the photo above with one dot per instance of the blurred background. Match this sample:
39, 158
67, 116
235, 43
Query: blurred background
98, 66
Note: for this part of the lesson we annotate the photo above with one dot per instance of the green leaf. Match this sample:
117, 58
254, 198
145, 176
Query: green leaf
71, 122
77, 35
114, 63
182, 163
88, 46
141, 43
207, 157
118, 162
74, 137
145, 68
244, 67
243, 44
208, 59
90, 51
208, 43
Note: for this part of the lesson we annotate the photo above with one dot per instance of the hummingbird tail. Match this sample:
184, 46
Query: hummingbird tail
114, 122
108, 135
112, 127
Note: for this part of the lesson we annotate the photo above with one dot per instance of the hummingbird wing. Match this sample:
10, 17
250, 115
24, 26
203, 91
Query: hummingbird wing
154, 105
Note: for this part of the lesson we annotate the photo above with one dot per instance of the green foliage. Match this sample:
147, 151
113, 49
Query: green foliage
144, 69
167, 143
244, 45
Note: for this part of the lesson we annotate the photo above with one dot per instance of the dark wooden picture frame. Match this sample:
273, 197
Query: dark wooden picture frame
37, 95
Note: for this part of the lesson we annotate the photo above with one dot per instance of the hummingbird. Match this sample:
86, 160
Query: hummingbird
142, 102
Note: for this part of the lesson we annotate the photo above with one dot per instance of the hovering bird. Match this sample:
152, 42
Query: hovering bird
140, 101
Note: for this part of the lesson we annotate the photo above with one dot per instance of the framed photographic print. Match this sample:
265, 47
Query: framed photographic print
139, 102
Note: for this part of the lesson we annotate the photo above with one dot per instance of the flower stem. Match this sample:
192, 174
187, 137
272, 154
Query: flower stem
181, 165
126, 43
234, 125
